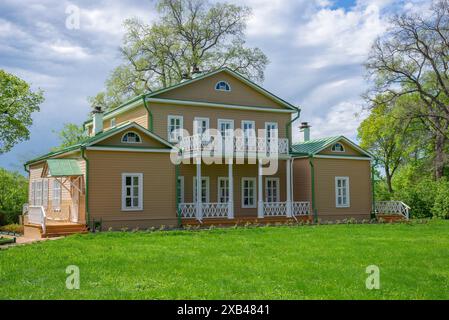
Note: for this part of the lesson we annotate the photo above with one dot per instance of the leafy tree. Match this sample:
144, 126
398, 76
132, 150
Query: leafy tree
13, 194
412, 59
17, 103
69, 135
189, 35
387, 134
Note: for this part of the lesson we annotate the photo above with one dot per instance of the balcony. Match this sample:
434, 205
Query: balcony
218, 146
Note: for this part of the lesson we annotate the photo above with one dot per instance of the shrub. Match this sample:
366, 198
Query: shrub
13, 194
16, 228
440, 207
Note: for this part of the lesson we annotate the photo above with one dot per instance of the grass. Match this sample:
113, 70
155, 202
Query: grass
308, 262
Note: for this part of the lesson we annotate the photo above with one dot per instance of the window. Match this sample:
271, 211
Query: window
248, 192
38, 193
272, 189
342, 192
249, 132
180, 189
204, 189
56, 202
222, 86
200, 127
131, 137
112, 123
226, 127
223, 190
175, 125
132, 191
33, 193
338, 147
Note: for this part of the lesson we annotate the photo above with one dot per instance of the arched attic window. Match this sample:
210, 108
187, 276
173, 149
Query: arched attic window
131, 137
222, 86
338, 147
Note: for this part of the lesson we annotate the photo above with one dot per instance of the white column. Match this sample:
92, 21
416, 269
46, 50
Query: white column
289, 186
231, 190
199, 208
260, 191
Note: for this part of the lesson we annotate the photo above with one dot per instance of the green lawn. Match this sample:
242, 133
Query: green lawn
301, 262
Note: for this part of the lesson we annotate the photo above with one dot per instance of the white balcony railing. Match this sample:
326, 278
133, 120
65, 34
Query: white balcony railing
392, 207
301, 208
217, 145
36, 215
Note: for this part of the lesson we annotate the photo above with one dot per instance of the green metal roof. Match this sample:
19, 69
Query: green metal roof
93, 139
63, 168
313, 146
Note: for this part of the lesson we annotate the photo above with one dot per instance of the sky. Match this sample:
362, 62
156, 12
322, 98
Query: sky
316, 50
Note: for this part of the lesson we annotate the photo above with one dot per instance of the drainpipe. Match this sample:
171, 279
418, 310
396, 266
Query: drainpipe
25, 167
86, 200
373, 185
150, 115
288, 130
178, 212
312, 172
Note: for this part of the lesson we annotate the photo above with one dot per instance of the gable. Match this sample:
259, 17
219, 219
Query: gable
203, 90
115, 140
348, 150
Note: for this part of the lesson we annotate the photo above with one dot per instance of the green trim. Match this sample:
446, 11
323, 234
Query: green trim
312, 172
288, 129
150, 115
373, 186
86, 200
63, 167
129, 147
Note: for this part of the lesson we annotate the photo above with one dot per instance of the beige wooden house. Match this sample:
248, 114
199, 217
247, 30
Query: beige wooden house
124, 175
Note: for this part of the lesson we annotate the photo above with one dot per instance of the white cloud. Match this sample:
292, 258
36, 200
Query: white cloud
342, 35
66, 50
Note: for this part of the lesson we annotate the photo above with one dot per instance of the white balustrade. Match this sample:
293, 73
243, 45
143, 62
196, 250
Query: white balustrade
187, 210
392, 207
274, 209
209, 210
301, 208
36, 215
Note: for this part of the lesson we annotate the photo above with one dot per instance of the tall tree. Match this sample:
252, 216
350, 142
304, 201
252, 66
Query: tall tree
412, 58
189, 34
17, 103
70, 135
388, 134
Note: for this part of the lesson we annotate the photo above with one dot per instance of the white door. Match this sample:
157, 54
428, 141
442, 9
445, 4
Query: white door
75, 200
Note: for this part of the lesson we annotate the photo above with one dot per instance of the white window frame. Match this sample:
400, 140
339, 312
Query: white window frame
220, 179
224, 121
207, 195
254, 192
275, 124
131, 142
112, 123
195, 127
332, 148
181, 189
169, 128
223, 90
278, 191
140, 192
56, 196
33, 193
345, 205
38, 193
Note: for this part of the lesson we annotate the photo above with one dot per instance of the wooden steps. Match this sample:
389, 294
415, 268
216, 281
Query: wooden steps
391, 217
243, 220
53, 230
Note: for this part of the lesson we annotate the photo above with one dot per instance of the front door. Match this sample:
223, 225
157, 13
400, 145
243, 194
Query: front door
75, 200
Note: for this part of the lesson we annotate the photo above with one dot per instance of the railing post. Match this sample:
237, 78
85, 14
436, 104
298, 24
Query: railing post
199, 205
231, 189
260, 210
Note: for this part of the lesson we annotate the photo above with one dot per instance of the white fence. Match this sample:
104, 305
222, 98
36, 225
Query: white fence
279, 209
301, 208
36, 215
208, 210
392, 207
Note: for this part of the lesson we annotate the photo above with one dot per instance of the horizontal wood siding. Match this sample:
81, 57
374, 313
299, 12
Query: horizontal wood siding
302, 182
359, 175
116, 140
204, 90
105, 188
349, 151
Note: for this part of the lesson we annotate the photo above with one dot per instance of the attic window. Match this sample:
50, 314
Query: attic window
131, 137
338, 147
222, 86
